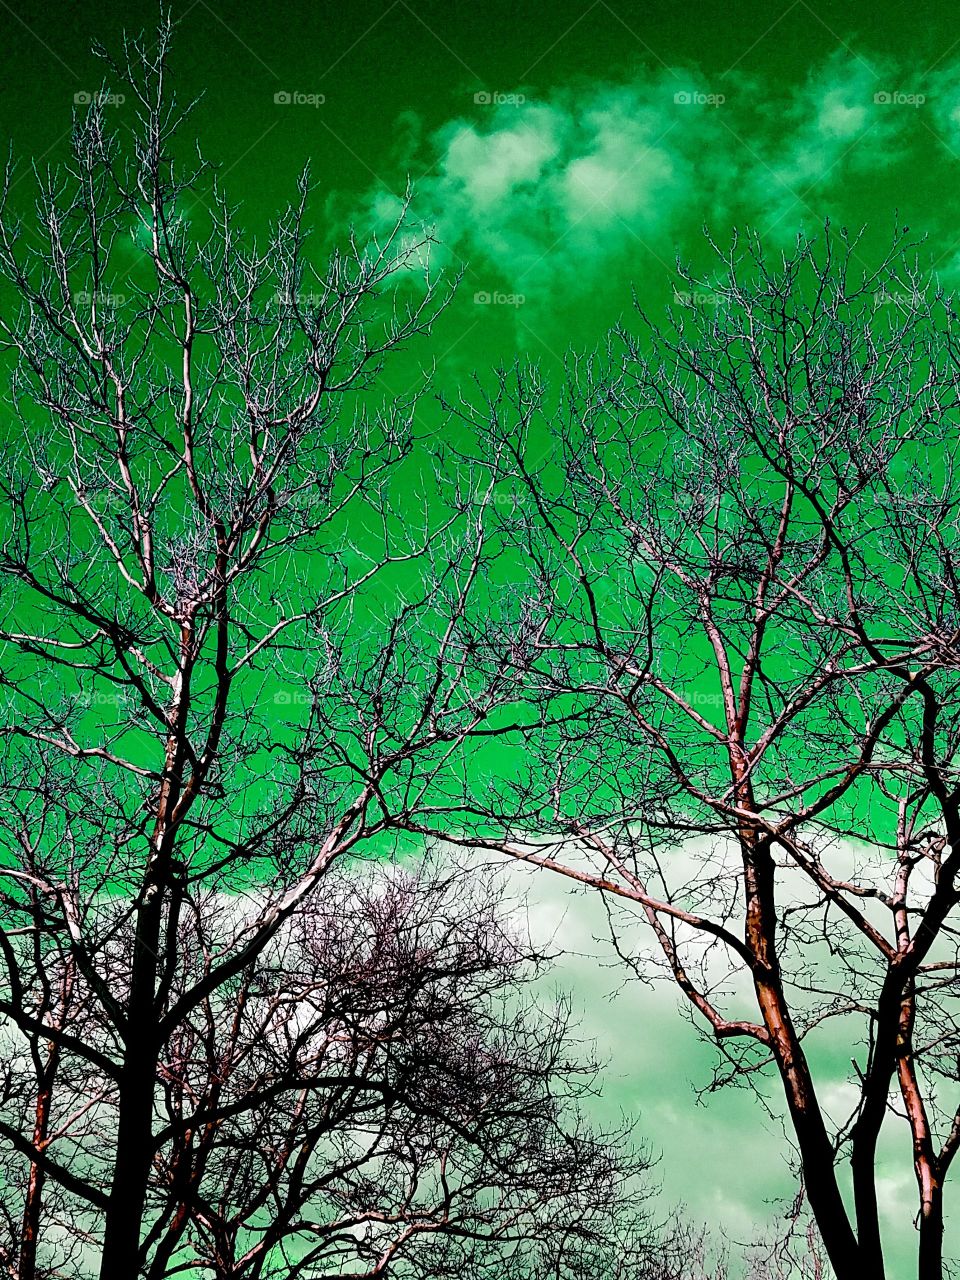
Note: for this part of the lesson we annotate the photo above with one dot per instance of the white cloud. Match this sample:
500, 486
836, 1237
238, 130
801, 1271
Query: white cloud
831, 128
727, 1160
548, 197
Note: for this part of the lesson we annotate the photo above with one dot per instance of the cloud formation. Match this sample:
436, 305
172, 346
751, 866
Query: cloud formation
550, 194
726, 1161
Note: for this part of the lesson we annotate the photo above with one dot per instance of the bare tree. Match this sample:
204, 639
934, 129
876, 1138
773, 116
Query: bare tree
232, 584
34, 1074
253, 622
374, 1094
741, 635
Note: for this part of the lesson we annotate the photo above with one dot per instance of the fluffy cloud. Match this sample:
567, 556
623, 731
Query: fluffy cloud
549, 195
546, 192
727, 1161
836, 125
656, 1062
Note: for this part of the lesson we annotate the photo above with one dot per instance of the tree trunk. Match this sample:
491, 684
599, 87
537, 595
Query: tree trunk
863, 1162
931, 1236
816, 1150
128, 1192
33, 1204
817, 1154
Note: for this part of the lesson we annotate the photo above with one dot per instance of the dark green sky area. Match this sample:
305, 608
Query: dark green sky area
597, 179
605, 136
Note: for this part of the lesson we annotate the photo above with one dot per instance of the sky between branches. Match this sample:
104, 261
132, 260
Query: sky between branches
566, 154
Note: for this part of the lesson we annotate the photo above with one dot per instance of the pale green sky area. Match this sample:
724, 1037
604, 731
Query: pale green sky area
604, 137
724, 1157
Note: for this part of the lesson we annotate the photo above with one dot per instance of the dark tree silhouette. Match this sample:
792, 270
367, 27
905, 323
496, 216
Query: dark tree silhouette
232, 585
740, 633
378, 1092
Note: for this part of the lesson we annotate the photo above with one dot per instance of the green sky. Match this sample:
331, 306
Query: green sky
566, 154
581, 175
